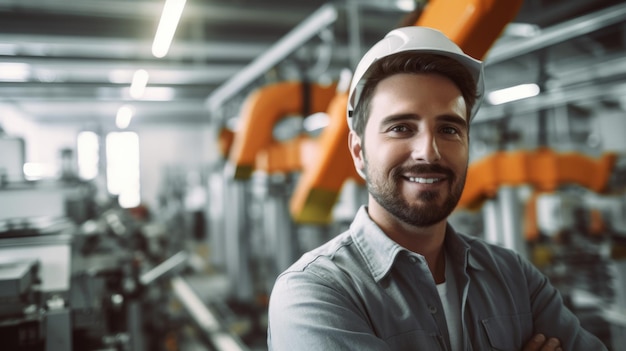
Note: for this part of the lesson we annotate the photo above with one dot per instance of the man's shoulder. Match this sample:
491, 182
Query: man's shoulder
325, 252
329, 259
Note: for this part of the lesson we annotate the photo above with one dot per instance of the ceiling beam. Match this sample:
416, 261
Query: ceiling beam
558, 33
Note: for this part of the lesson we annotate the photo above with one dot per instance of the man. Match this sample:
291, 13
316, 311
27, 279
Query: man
401, 278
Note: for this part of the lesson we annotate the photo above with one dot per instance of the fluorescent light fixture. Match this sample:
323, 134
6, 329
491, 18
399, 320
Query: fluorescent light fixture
517, 92
405, 5
124, 115
14, 72
167, 27
138, 85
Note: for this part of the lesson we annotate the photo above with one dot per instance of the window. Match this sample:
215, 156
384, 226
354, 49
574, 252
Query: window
122, 154
88, 148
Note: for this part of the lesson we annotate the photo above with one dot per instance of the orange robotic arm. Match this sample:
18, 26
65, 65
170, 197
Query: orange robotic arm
259, 114
474, 26
320, 183
544, 169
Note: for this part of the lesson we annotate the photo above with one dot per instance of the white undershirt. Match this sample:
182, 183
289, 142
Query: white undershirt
450, 299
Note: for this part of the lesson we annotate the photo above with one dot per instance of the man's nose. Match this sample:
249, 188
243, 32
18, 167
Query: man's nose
425, 147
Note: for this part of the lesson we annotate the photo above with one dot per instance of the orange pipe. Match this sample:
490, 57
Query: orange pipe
261, 111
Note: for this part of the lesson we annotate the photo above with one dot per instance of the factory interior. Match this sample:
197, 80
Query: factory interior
155, 179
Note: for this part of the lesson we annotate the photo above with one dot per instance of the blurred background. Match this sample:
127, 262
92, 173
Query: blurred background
161, 162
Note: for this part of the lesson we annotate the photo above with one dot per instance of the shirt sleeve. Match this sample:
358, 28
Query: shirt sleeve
307, 313
552, 318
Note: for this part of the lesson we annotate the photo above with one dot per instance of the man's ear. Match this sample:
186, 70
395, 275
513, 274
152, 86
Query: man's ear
356, 151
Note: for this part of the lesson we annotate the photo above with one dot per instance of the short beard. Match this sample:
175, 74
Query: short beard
388, 196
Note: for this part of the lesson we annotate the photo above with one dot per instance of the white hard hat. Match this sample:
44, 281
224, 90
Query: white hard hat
418, 39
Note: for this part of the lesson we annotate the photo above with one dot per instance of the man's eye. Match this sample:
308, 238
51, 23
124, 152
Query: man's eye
450, 130
399, 129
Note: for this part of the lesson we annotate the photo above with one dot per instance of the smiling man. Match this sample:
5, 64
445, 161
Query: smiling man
401, 278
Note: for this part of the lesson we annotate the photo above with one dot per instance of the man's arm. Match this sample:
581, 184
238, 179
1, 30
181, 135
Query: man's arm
551, 317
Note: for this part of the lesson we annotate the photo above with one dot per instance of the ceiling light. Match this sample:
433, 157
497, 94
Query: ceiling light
405, 5
517, 92
138, 85
124, 115
167, 27
14, 71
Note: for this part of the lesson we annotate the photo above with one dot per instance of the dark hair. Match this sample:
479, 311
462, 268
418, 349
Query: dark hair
409, 62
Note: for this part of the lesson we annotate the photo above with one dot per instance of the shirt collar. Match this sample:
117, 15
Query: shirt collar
380, 251
459, 249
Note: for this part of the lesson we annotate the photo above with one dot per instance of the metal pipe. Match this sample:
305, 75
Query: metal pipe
209, 11
512, 236
354, 28
237, 239
491, 219
205, 318
321, 18
616, 312
163, 268
559, 33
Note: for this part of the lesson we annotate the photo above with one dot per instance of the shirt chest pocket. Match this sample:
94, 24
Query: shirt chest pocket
508, 333
415, 340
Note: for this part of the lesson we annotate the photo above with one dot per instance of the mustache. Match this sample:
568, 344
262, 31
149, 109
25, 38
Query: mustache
425, 168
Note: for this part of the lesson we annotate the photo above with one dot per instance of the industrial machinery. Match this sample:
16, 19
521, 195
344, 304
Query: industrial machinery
81, 274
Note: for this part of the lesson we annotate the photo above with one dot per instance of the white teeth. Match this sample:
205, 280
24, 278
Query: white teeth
424, 180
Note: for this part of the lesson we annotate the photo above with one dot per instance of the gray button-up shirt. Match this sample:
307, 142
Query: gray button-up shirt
362, 291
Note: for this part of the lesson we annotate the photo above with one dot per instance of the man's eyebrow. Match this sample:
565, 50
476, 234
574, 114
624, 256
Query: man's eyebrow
453, 119
399, 118
449, 118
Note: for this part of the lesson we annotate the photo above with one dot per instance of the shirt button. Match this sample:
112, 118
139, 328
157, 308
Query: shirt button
432, 309
413, 260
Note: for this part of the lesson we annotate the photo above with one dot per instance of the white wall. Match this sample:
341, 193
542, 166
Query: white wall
43, 142
186, 145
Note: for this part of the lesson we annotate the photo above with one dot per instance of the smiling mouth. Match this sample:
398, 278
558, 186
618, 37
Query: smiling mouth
424, 180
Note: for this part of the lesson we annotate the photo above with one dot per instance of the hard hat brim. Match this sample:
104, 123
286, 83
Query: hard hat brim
421, 40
